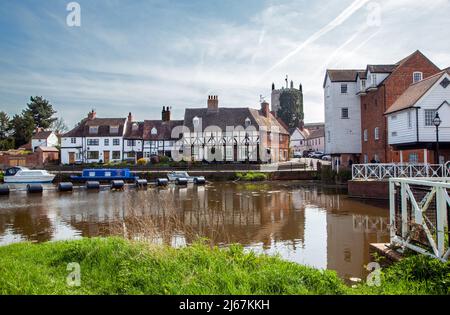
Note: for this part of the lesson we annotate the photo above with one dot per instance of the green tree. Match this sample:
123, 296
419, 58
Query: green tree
6, 141
291, 107
22, 127
41, 111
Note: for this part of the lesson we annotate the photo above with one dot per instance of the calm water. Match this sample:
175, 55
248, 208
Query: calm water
304, 223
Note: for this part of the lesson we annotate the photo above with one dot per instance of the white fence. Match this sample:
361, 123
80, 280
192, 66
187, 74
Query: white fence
419, 215
379, 171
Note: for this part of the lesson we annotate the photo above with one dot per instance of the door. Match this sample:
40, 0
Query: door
71, 157
106, 156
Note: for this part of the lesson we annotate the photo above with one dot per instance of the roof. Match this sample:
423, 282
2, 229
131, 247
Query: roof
82, 129
342, 75
26, 146
381, 68
47, 149
362, 74
163, 128
42, 135
134, 130
230, 116
414, 92
317, 133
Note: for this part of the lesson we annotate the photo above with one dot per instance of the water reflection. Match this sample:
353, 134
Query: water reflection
308, 224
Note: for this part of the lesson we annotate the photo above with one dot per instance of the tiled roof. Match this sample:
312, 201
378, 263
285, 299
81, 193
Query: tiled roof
414, 92
163, 129
381, 68
362, 75
318, 133
136, 132
343, 75
42, 135
82, 130
47, 149
228, 116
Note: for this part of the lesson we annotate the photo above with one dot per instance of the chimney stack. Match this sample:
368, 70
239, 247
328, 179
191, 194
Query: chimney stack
130, 117
213, 102
265, 109
165, 114
91, 115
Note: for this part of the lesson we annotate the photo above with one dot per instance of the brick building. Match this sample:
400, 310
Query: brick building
385, 84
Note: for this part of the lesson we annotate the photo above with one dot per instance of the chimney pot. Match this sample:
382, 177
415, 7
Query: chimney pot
213, 102
265, 109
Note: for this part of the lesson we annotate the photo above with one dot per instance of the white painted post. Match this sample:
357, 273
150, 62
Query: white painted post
425, 156
441, 216
392, 207
404, 210
401, 156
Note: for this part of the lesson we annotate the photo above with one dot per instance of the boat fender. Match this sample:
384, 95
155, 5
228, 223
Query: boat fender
34, 188
200, 180
117, 184
162, 181
65, 186
4, 190
141, 183
181, 181
92, 185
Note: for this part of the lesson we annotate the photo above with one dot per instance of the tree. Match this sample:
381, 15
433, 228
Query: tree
22, 127
41, 112
59, 126
291, 107
6, 141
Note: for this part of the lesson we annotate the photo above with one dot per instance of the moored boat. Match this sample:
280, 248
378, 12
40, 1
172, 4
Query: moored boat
105, 174
23, 175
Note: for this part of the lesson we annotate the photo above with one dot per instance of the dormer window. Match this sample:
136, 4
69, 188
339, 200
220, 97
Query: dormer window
154, 131
196, 121
93, 130
374, 79
134, 126
248, 122
363, 85
114, 129
417, 76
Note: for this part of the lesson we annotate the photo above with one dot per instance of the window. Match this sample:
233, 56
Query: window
413, 157
429, 115
366, 158
92, 141
106, 142
134, 126
417, 76
409, 119
93, 130
328, 136
131, 143
116, 155
374, 79
154, 131
377, 133
394, 133
344, 112
147, 154
114, 129
248, 122
343, 88
365, 135
363, 85
394, 117
131, 154
196, 121
92, 155
116, 141
73, 140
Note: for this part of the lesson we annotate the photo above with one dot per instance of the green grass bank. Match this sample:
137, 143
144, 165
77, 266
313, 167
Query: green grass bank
118, 266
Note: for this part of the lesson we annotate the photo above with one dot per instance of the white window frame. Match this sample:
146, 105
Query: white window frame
428, 120
420, 74
344, 86
366, 135
343, 109
377, 133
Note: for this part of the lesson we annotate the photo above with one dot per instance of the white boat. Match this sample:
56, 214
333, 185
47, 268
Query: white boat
23, 175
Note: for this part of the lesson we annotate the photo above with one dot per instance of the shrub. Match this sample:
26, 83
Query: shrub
164, 159
2, 176
251, 176
141, 162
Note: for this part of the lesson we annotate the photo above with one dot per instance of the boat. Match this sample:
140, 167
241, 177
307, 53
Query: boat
105, 174
172, 176
23, 175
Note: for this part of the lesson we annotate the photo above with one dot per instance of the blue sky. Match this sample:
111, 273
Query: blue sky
141, 55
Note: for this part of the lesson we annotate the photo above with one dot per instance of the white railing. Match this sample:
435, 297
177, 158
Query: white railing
415, 222
380, 171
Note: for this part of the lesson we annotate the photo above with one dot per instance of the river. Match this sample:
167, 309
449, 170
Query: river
303, 222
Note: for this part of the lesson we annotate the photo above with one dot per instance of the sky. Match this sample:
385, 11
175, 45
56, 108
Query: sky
137, 56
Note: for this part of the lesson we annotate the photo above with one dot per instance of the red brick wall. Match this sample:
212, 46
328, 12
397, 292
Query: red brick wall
375, 103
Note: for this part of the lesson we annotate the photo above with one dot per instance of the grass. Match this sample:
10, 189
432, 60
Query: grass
117, 266
2, 176
251, 176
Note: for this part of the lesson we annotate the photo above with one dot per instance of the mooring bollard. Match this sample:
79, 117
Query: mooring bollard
34, 188
92, 185
141, 183
65, 186
182, 181
117, 184
162, 181
4, 190
200, 180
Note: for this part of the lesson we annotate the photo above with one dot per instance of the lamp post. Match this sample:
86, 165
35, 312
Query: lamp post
437, 122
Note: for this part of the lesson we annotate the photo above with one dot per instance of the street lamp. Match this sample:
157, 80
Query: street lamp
437, 122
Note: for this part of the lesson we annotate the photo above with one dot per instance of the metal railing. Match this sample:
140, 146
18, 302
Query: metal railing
380, 171
419, 215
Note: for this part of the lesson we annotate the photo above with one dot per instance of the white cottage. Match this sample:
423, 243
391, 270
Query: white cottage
43, 138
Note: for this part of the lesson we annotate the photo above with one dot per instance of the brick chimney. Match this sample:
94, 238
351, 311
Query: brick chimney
165, 114
91, 115
130, 117
213, 102
265, 109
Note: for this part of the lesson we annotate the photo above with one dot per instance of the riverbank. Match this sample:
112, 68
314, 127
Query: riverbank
117, 266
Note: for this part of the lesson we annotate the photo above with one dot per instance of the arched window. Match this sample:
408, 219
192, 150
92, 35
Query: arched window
196, 121
154, 131
248, 122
